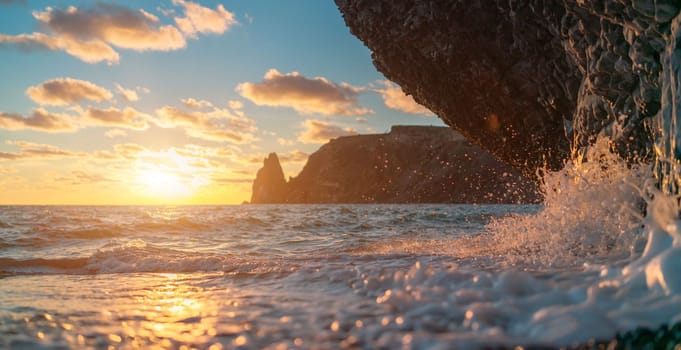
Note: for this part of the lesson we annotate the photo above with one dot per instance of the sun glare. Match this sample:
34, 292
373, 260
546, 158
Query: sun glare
168, 176
163, 183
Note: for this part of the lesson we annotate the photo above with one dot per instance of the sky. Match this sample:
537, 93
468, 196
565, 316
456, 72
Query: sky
177, 102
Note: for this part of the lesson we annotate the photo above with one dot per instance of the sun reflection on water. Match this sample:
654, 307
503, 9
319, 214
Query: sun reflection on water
172, 313
166, 311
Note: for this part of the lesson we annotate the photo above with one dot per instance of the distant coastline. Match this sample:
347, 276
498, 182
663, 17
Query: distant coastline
410, 164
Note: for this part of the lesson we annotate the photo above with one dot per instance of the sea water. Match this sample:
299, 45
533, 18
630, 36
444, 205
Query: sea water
585, 265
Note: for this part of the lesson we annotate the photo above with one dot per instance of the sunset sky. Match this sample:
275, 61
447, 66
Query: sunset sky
177, 102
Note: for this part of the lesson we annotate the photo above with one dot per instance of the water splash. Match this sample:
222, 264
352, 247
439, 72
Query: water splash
592, 212
665, 125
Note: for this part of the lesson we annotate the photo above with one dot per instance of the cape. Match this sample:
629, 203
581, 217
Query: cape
410, 164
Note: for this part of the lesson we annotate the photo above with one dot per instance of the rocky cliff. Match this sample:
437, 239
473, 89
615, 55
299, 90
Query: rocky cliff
520, 77
411, 164
270, 184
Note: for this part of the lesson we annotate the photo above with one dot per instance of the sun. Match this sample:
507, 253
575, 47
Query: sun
160, 182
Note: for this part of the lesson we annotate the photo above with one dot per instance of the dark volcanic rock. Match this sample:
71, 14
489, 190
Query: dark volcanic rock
411, 164
521, 77
269, 185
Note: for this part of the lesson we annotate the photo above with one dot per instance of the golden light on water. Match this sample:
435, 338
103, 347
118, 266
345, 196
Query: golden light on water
171, 312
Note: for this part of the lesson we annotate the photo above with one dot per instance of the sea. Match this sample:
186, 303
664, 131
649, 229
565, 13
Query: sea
601, 256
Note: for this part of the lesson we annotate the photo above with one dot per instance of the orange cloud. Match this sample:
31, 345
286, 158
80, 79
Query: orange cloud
65, 91
30, 150
305, 95
79, 177
295, 156
395, 98
86, 51
91, 34
128, 95
113, 24
194, 103
126, 118
115, 133
200, 19
39, 119
216, 125
321, 132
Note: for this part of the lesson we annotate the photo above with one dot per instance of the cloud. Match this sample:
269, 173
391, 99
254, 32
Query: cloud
128, 118
30, 150
115, 133
321, 132
128, 95
295, 156
305, 95
81, 177
42, 120
236, 104
285, 142
129, 150
39, 119
86, 51
8, 170
193, 103
200, 19
65, 91
395, 98
91, 34
216, 125
231, 181
122, 151
115, 25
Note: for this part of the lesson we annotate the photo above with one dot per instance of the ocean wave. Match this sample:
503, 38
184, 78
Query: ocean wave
49, 232
180, 223
39, 265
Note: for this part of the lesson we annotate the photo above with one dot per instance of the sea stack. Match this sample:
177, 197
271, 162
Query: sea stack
269, 185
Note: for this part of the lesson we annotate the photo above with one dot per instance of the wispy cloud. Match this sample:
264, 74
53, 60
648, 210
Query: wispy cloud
128, 118
129, 95
236, 105
200, 19
285, 142
305, 95
45, 121
65, 91
30, 150
121, 151
82, 177
40, 120
295, 156
194, 103
395, 98
317, 131
129, 150
113, 133
86, 51
216, 125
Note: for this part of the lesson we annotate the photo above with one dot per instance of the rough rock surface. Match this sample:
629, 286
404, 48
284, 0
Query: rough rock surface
526, 79
270, 184
411, 164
